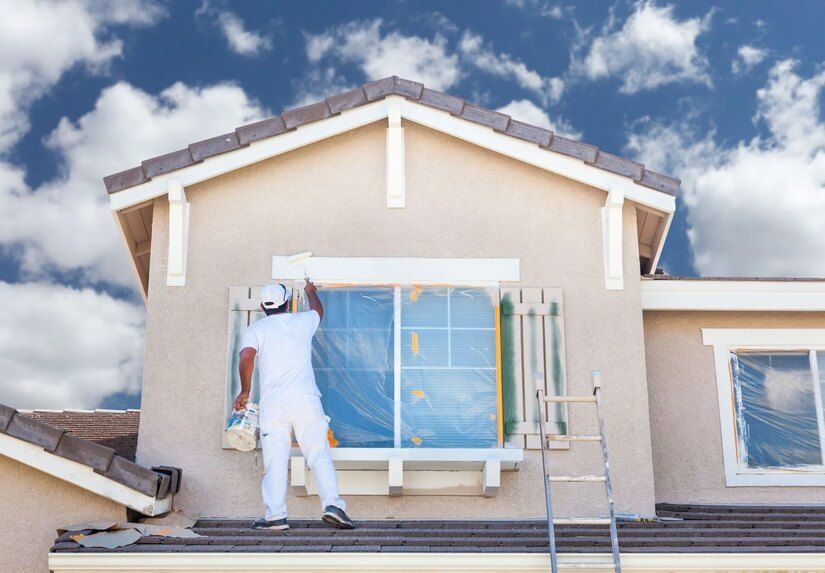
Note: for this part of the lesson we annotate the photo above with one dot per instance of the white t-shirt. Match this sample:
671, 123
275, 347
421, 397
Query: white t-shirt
284, 354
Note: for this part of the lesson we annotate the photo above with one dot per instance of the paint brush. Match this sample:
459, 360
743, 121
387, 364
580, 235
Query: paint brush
300, 259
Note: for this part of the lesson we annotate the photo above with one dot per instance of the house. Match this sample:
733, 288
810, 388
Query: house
466, 258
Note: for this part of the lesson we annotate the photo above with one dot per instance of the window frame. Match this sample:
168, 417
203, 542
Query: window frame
397, 352
725, 341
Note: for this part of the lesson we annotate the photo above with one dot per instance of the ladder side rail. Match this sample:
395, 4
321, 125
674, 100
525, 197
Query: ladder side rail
608, 484
551, 533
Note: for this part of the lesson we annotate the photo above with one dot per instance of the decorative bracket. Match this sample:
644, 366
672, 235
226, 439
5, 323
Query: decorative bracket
178, 235
612, 240
395, 158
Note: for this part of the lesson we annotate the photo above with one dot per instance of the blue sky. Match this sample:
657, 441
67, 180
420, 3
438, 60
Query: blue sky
725, 95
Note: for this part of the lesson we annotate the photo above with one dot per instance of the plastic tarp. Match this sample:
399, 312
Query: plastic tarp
446, 369
776, 409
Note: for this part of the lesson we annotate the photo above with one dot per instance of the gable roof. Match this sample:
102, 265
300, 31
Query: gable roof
373, 91
115, 429
87, 464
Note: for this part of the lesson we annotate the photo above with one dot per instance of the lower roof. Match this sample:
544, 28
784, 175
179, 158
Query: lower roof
681, 529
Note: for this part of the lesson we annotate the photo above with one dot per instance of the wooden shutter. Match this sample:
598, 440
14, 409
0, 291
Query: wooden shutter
244, 309
532, 331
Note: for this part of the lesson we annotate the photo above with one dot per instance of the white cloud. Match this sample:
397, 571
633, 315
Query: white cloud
747, 57
755, 208
241, 41
381, 55
548, 89
651, 48
41, 40
528, 112
67, 348
65, 224
547, 9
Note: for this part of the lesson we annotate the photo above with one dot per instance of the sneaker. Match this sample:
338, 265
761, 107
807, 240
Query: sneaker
273, 525
337, 517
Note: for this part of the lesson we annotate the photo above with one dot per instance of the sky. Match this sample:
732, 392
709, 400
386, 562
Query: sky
727, 96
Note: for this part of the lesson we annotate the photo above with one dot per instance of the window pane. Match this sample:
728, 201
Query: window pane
776, 412
353, 358
448, 368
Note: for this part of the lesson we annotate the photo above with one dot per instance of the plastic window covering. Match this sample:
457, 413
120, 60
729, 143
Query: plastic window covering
777, 400
447, 371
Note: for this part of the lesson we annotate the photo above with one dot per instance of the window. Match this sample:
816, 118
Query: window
771, 384
409, 366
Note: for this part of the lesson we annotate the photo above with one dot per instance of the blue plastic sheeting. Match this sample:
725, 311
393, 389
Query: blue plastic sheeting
776, 409
447, 373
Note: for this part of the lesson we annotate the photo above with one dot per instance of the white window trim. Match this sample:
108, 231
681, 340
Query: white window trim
726, 340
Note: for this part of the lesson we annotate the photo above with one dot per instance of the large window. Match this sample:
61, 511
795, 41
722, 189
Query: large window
771, 383
409, 366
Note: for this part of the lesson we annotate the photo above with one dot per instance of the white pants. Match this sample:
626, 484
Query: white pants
303, 415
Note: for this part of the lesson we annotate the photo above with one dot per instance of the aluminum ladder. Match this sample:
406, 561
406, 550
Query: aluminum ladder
596, 399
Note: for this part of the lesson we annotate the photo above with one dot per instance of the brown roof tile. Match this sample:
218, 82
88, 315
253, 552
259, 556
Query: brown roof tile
377, 90
114, 429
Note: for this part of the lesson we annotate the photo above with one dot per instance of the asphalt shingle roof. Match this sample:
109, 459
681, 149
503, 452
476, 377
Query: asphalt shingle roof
372, 91
116, 429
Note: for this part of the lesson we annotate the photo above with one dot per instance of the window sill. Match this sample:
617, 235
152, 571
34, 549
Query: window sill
419, 471
777, 478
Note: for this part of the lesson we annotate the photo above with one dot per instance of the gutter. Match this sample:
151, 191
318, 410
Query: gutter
456, 562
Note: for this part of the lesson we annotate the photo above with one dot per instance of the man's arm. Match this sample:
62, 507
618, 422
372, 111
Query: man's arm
314, 302
245, 369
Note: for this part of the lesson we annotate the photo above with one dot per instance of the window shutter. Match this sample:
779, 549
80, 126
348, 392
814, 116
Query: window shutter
532, 331
244, 308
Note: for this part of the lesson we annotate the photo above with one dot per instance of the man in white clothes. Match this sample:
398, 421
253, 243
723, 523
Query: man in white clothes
290, 402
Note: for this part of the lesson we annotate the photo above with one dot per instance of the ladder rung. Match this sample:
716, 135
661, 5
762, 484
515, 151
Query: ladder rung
566, 438
577, 478
564, 565
581, 521
569, 398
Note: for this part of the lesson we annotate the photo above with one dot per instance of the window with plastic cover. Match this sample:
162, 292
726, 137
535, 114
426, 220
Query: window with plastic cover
779, 411
445, 373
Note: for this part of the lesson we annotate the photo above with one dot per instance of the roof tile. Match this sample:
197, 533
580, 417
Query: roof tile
530, 133
6, 414
659, 182
132, 475
35, 432
573, 148
116, 430
346, 100
484, 116
379, 88
260, 130
408, 88
214, 146
85, 452
304, 115
124, 179
619, 165
166, 163
442, 101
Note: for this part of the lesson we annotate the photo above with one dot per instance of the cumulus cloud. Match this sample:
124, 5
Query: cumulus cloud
67, 348
755, 208
380, 55
747, 57
240, 40
528, 112
41, 40
65, 224
473, 48
650, 49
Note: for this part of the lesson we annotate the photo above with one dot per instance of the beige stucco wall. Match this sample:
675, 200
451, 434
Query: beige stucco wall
32, 506
684, 409
330, 198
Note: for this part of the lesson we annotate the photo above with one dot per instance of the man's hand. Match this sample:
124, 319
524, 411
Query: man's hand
241, 400
312, 297
310, 288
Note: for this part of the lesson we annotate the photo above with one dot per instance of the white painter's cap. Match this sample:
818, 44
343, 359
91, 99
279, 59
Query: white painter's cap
273, 296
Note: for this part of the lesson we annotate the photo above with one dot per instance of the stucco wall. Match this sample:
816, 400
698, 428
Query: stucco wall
330, 198
32, 506
684, 409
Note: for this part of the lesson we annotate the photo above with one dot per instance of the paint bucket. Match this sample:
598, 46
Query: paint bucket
242, 430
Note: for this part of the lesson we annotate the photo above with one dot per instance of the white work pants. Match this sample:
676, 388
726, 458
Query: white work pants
303, 415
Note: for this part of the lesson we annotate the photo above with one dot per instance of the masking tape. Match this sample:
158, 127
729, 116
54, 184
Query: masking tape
415, 343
